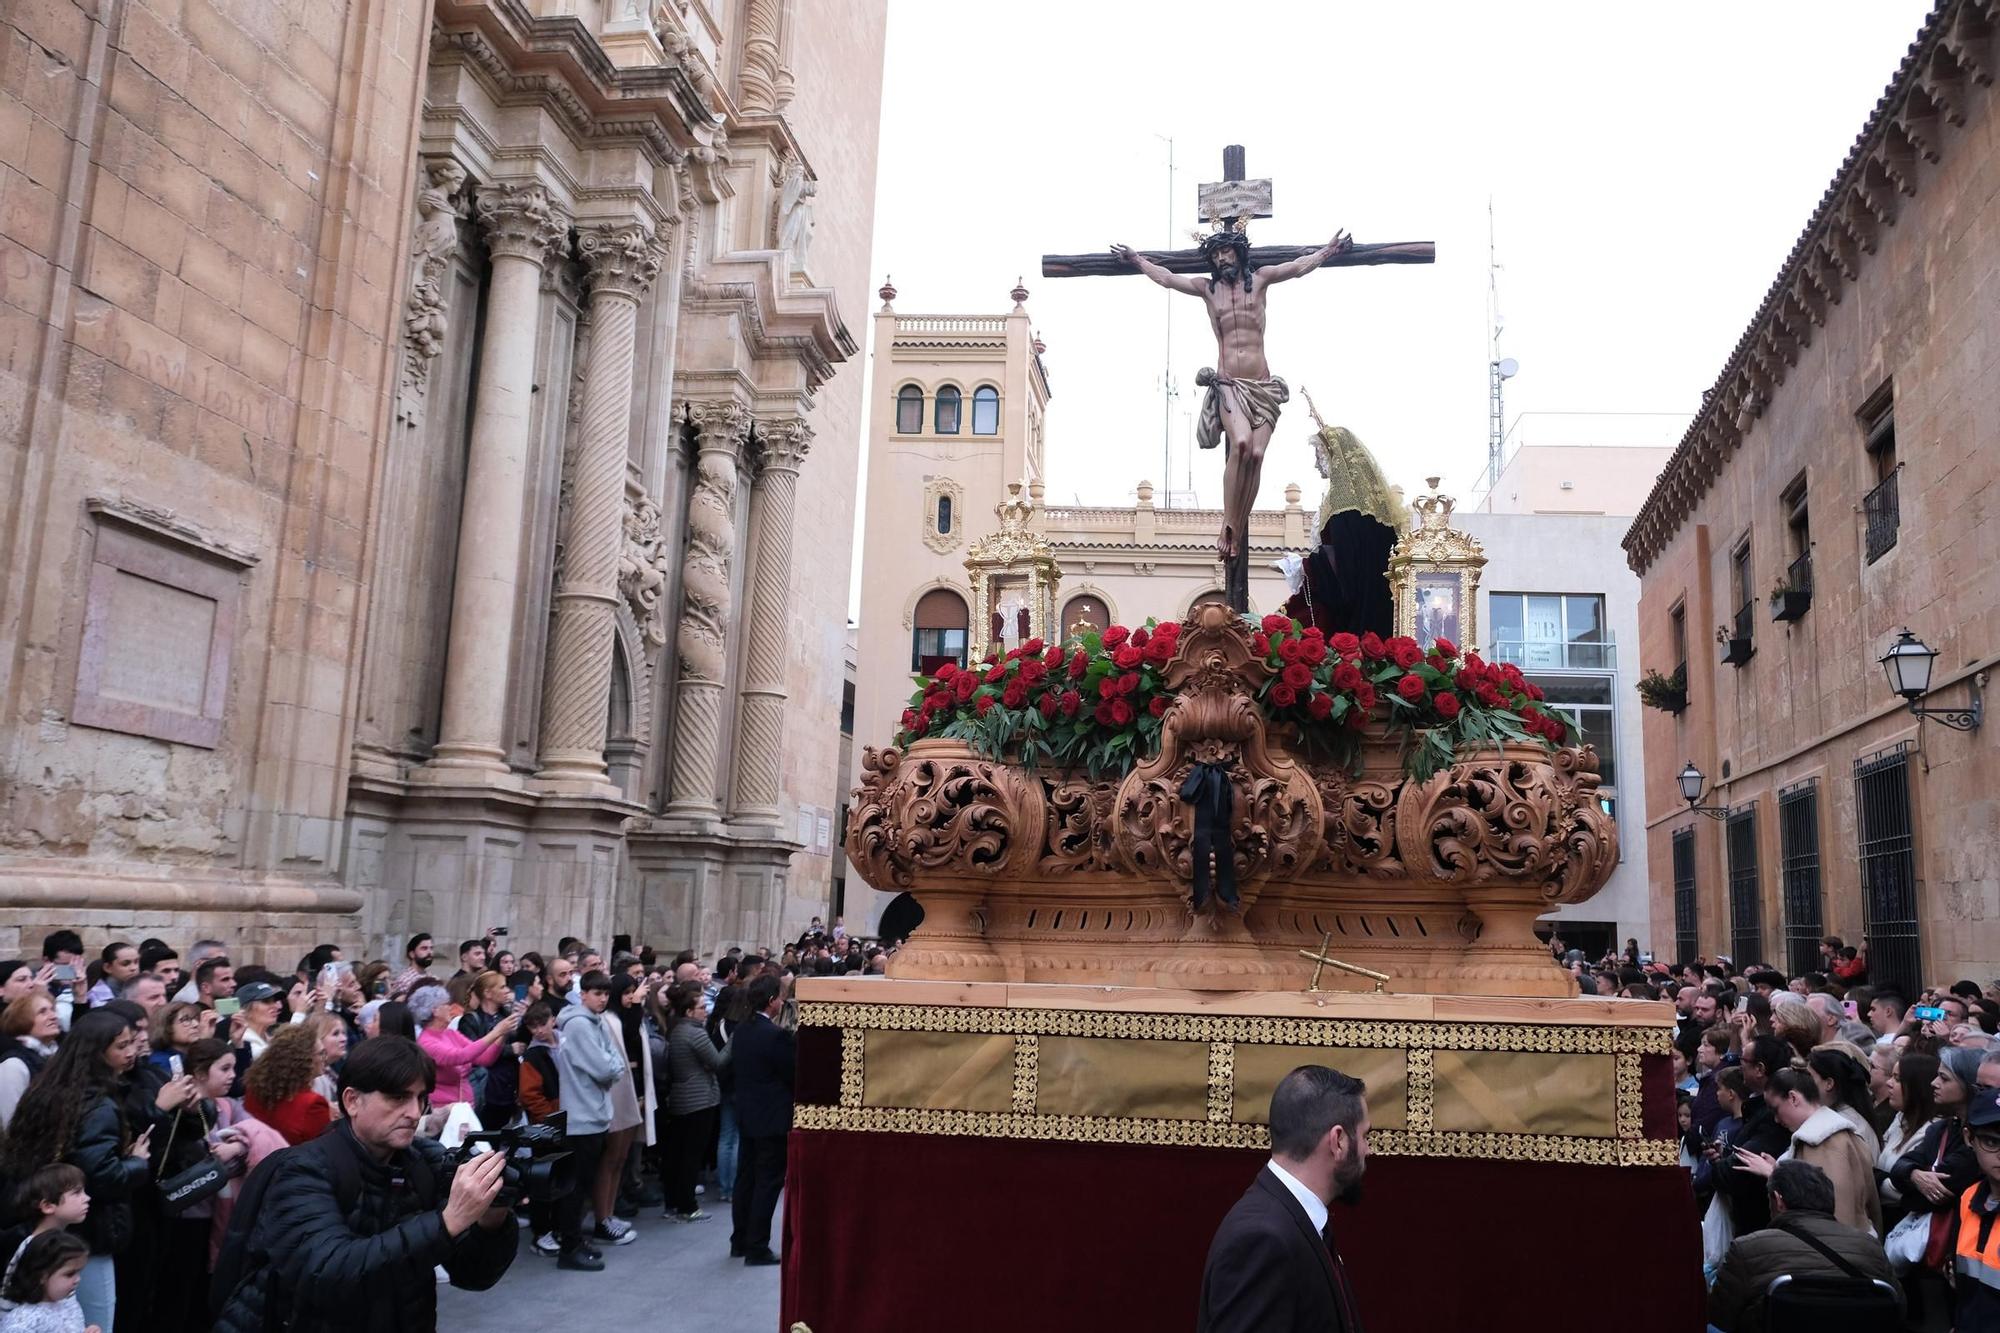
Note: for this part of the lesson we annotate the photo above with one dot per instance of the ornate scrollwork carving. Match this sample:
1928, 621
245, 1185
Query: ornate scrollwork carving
1274, 825
1079, 828
642, 577
940, 812
1493, 815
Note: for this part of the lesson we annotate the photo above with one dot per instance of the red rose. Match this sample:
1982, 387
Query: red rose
1289, 650
1033, 647
1346, 676
1298, 675
1055, 657
1512, 675
985, 704
1172, 630
1532, 718
1015, 695
1314, 634
1128, 682
1447, 704
1116, 635
1372, 646
1403, 651
946, 671
1313, 652
1356, 719
996, 675
1121, 713
1475, 661
922, 725
1260, 643
1159, 705
1411, 687
1127, 657
1012, 653
1319, 706
1033, 670
1276, 624
1071, 701
1048, 704
1140, 636
1078, 665
1283, 695
1107, 687
1345, 644
909, 718
1105, 712
1533, 691
1444, 647
1160, 650
964, 685
1364, 696
1489, 694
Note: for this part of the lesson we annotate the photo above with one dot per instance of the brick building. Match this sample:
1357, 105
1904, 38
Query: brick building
405, 491
1842, 481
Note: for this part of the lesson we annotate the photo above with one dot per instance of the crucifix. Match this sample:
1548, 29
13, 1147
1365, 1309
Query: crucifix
1243, 398
1321, 960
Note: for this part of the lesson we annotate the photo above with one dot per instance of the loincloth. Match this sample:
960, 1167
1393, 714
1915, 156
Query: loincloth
1261, 399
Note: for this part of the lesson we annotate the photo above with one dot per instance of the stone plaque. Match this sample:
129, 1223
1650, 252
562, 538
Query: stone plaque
159, 624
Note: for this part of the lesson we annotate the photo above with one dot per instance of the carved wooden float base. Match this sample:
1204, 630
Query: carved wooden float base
1035, 877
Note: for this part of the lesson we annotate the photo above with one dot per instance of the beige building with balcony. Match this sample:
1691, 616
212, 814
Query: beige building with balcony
1839, 485
427, 465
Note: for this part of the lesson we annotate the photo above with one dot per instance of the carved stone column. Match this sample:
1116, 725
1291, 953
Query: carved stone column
622, 262
702, 637
760, 726
522, 224
762, 22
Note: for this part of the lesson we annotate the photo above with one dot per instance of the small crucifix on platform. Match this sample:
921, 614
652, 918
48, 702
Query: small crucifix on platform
1321, 960
1243, 396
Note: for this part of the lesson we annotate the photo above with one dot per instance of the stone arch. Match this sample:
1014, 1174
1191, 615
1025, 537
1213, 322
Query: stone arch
964, 590
1071, 592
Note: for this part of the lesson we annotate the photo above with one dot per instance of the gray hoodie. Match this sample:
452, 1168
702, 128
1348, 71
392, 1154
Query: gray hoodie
590, 1061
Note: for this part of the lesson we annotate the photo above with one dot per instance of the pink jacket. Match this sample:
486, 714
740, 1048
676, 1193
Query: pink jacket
455, 1055
262, 1141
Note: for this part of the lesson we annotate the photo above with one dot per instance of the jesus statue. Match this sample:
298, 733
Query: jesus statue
1243, 395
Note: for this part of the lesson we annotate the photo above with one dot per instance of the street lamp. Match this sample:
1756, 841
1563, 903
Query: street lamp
1908, 666
1691, 781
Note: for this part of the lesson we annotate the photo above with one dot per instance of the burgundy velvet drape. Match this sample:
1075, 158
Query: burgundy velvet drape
894, 1233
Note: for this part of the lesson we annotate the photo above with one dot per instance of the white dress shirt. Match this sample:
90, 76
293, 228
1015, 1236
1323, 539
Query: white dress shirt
1312, 1203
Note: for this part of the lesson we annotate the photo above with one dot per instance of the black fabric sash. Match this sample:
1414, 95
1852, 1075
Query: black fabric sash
1207, 791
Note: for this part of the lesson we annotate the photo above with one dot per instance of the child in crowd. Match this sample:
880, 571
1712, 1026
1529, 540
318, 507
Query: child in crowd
38, 1293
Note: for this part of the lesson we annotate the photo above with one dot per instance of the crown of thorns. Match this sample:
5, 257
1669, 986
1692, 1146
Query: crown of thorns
1232, 240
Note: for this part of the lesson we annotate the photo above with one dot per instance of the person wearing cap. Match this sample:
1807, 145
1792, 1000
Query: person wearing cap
261, 1003
1797, 1244
1977, 1262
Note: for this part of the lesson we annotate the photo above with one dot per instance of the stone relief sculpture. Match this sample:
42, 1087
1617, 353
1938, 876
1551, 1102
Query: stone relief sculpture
642, 578
795, 216
431, 250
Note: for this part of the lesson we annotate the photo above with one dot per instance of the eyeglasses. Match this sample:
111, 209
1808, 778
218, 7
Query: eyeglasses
1989, 1141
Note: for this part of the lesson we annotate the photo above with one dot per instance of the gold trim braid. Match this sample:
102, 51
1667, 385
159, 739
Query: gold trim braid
1420, 1091
1222, 1081
1552, 1038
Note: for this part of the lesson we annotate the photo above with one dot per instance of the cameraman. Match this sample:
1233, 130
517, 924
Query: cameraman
344, 1231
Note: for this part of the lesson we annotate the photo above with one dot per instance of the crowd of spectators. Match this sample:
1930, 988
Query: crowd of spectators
191, 1141
1836, 1129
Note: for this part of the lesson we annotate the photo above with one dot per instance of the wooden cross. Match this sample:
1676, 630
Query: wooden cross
1249, 199
1320, 960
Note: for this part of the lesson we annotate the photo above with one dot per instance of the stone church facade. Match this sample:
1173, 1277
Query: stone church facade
429, 440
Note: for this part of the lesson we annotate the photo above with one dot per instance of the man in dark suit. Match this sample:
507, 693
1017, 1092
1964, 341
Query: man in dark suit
1272, 1267
763, 1056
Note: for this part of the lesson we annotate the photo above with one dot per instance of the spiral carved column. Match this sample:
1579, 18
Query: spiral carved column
762, 21
522, 225
760, 717
701, 640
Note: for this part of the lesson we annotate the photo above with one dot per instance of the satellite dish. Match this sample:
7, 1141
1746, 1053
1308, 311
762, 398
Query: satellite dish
1508, 368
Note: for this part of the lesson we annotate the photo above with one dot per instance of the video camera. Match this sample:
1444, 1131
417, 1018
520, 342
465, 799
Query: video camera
538, 1167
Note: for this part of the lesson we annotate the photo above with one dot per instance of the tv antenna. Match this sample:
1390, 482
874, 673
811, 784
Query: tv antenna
1499, 369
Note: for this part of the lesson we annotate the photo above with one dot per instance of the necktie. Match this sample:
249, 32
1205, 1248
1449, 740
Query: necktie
1350, 1318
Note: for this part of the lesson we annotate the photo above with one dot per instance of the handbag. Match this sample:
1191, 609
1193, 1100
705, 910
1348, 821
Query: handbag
190, 1185
1921, 1240
1718, 1232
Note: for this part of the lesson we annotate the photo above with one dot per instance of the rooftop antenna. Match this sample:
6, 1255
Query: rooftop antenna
1499, 369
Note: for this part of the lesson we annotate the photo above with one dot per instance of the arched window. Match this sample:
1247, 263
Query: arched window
947, 410
939, 634
944, 515
1081, 612
909, 410
986, 410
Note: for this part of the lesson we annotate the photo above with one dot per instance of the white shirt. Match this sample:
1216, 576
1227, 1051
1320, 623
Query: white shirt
1314, 1206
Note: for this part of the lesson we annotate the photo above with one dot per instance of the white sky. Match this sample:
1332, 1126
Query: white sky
1649, 167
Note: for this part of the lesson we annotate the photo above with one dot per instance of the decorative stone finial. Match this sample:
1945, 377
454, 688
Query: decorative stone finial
1020, 294
1040, 346
888, 291
1036, 490
1145, 492
1292, 494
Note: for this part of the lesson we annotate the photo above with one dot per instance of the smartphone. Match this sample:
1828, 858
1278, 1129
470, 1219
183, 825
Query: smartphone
1928, 1013
520, 994
1742, 1003
174, 1065
65, 972
1848, 1007
500, 932
228, 1005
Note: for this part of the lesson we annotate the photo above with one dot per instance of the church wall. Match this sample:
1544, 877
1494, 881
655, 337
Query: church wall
1813, 699
194, 353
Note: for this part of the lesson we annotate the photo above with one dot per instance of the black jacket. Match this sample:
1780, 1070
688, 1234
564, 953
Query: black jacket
364, 1265
1747, 1192
110, 1178
765, 1056
1959, 1167
1269, 1272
